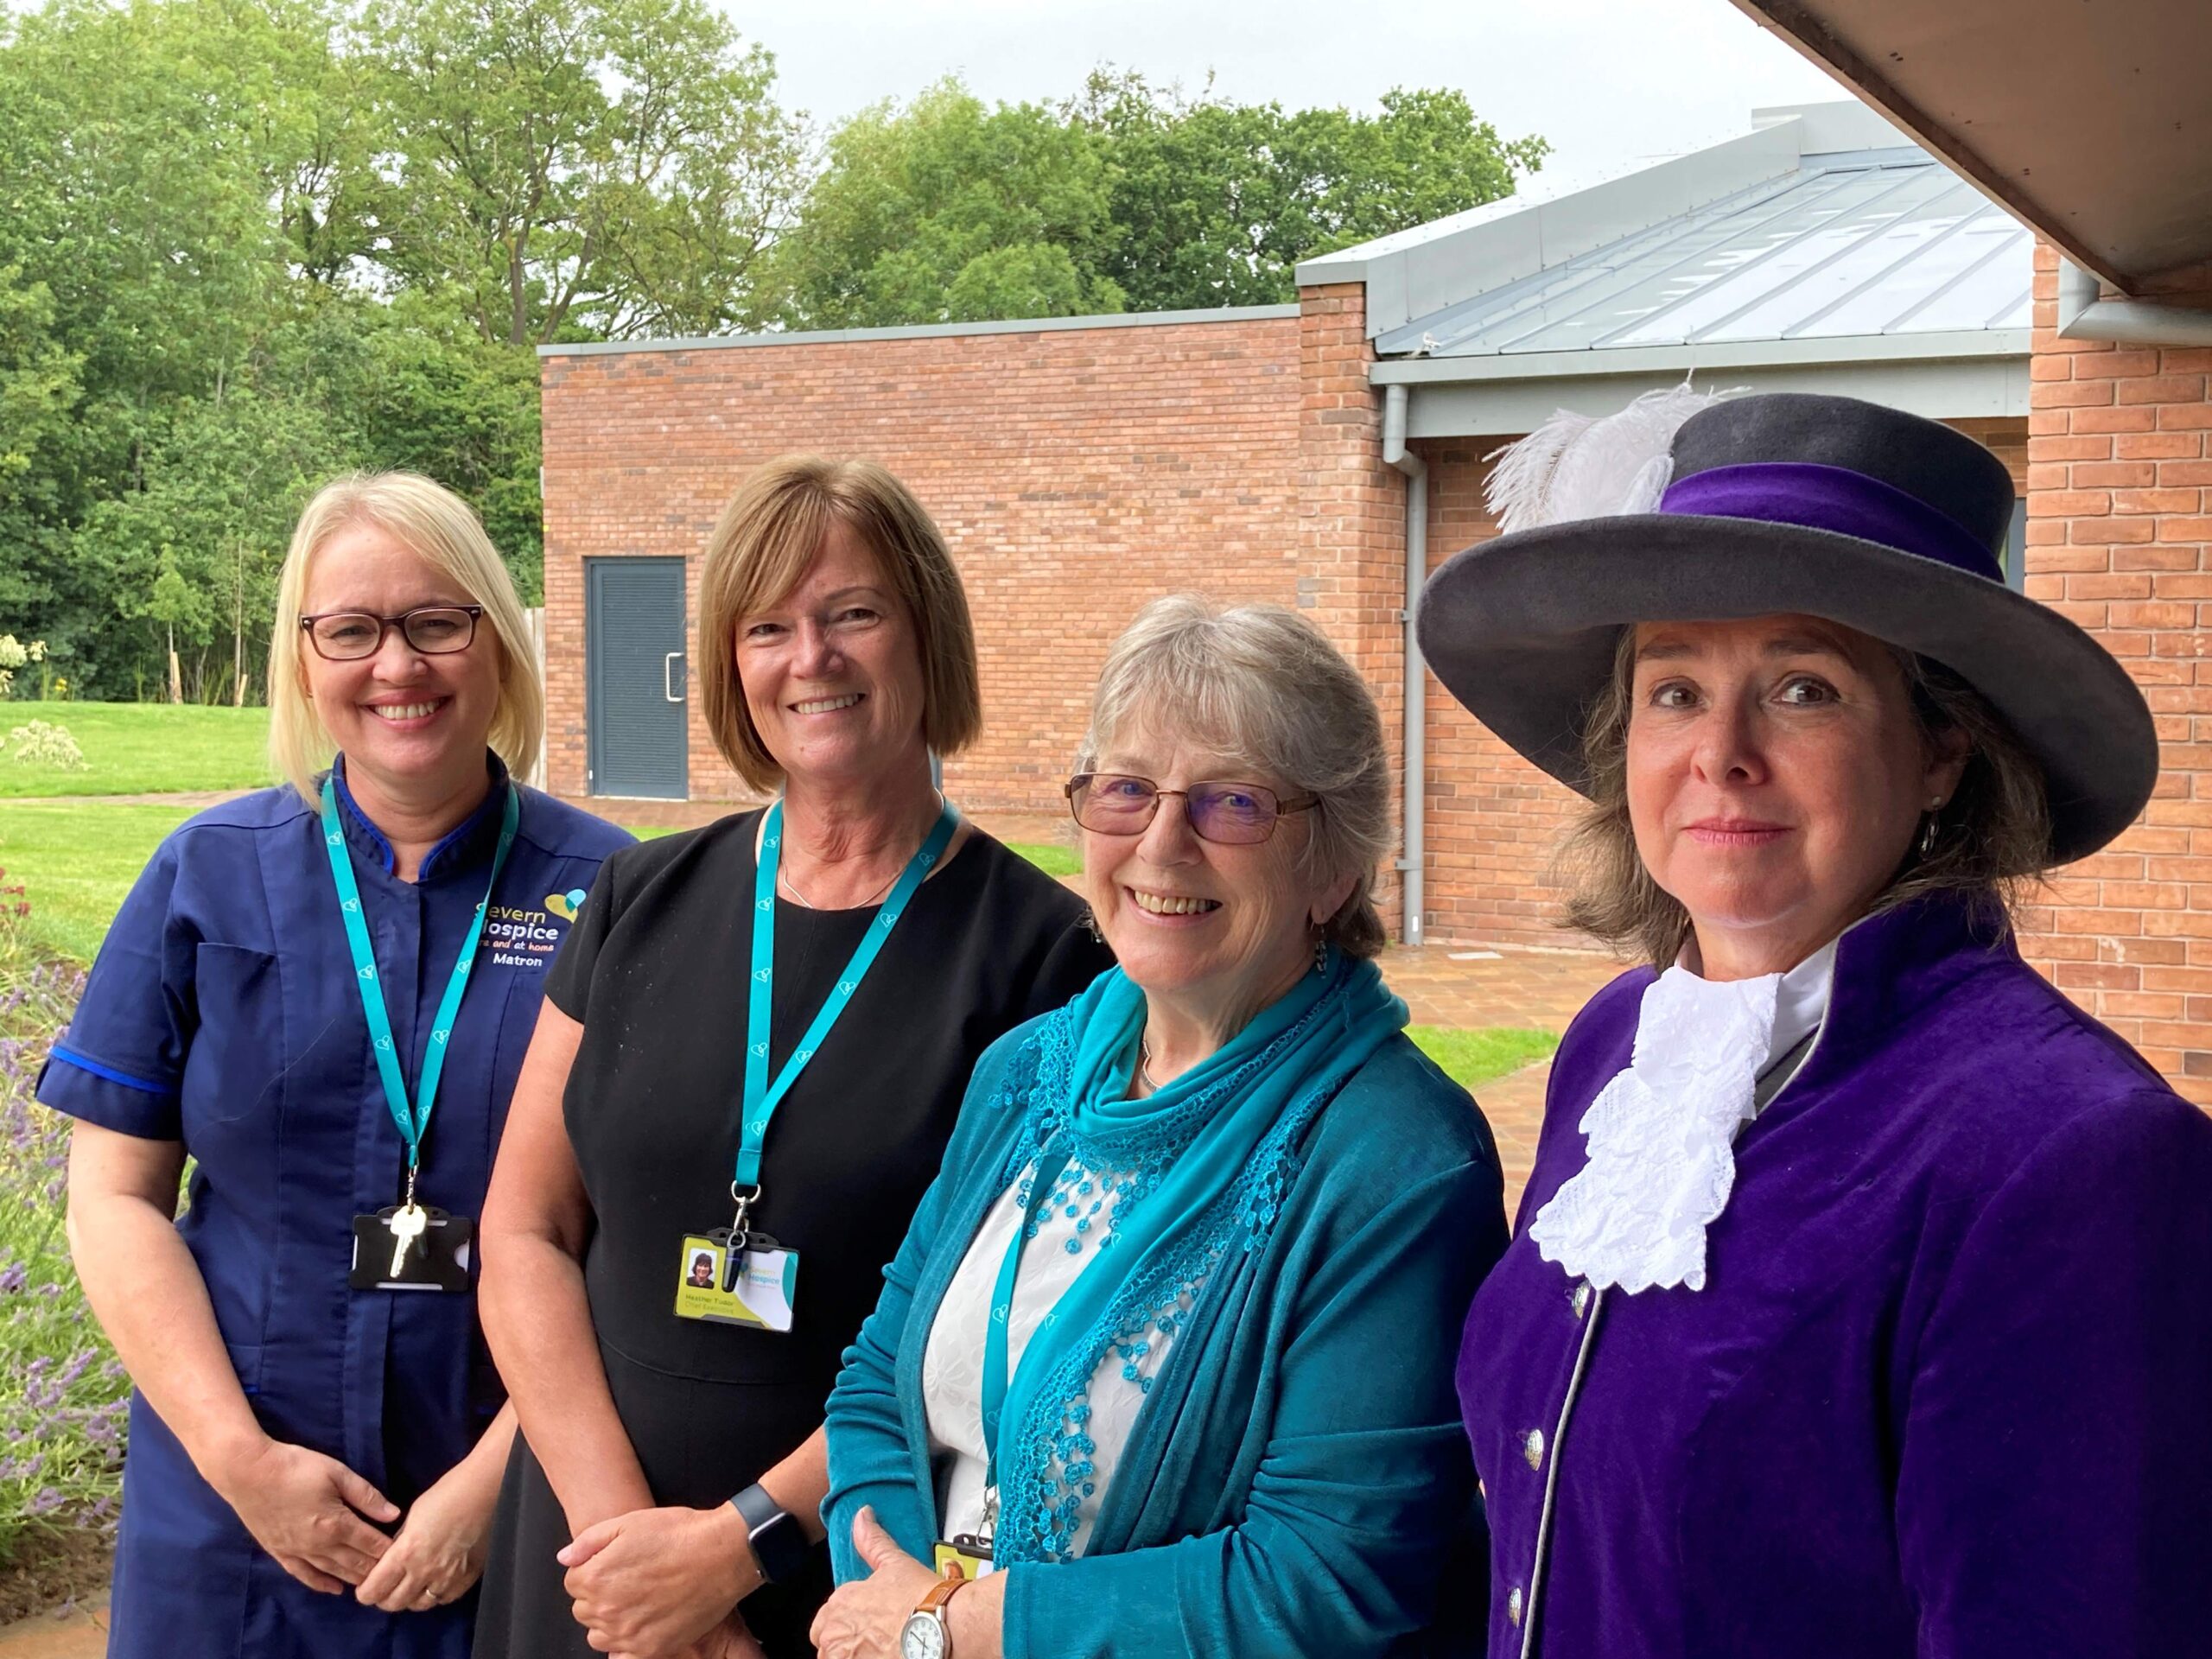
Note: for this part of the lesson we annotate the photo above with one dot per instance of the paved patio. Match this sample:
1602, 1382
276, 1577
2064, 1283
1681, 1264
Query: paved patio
1540, 990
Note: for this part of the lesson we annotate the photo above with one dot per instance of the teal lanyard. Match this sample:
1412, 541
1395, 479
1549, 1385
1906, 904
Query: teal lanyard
761, 1098
994, 1338
414, 1123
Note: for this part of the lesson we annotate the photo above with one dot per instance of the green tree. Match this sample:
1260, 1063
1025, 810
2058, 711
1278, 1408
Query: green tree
1216, 203
39, 394
612, 167
142, 147
190, 557
944, 211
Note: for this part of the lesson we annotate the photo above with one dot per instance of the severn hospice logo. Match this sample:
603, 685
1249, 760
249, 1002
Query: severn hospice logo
528, 938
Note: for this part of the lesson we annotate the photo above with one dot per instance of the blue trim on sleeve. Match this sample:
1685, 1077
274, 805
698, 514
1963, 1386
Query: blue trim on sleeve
110, 1073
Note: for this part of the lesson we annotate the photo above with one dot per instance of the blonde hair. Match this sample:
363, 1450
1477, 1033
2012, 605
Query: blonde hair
444, 531
1992, 838
760, 548
1263, 686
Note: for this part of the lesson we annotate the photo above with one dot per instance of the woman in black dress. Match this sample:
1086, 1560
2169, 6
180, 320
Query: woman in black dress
775, 1096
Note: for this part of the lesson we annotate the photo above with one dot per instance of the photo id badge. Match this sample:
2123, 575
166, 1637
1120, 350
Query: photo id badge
748, 1280
971, 1554
429, 1250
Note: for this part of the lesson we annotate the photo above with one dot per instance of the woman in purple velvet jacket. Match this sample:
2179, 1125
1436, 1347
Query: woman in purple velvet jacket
1861, 1300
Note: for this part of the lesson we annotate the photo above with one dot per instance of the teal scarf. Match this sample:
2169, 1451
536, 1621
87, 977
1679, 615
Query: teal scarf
1200, 1167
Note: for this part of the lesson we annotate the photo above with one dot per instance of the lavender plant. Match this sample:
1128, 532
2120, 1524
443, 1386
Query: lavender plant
62, 1393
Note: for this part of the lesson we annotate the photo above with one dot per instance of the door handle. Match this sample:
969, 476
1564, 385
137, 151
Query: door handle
668, 677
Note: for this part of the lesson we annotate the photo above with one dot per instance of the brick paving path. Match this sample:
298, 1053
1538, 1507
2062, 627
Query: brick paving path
82, 1635
1529, 989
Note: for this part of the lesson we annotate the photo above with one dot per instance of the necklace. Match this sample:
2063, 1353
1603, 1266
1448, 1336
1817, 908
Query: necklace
784, 875
791, 888
1144, 1065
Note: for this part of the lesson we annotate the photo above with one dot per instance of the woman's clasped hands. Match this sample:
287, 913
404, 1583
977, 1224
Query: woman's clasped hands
661, 1584
306, 1510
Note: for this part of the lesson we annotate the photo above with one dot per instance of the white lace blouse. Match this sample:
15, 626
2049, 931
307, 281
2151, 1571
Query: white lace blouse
952, 1362
1662, 1134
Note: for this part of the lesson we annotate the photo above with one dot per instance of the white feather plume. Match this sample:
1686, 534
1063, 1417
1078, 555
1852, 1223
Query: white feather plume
1585, 466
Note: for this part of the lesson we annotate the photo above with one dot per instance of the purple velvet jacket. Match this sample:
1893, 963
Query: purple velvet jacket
1948, 1390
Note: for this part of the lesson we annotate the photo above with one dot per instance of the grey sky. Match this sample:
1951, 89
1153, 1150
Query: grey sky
1609, 82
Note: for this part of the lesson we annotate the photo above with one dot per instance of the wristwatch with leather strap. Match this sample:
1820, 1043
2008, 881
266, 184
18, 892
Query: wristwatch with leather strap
925, 1635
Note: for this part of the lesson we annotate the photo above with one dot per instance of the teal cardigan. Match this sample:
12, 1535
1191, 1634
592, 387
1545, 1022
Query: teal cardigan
1298, 1479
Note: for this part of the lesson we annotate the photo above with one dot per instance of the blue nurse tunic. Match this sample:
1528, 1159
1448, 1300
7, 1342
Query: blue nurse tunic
222, 1013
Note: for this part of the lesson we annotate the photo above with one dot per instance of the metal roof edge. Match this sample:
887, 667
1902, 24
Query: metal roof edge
1416, 272
1718, 355
927, 331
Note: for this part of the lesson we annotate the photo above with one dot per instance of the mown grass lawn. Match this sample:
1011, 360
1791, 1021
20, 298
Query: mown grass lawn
140, 749
1481, 1055
77, 863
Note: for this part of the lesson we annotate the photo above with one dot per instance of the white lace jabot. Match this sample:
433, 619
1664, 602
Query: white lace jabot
1662, 1134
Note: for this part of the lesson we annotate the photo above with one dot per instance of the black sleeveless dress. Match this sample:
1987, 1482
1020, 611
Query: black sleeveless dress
656, 969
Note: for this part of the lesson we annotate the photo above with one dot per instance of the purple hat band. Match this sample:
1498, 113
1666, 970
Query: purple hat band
1835, 499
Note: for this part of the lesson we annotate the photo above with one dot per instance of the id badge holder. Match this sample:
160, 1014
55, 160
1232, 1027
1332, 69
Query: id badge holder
743, 1278
970, 1554
437, 1258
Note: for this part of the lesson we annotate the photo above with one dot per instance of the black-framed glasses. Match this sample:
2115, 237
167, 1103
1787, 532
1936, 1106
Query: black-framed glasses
1234, 815
434, 630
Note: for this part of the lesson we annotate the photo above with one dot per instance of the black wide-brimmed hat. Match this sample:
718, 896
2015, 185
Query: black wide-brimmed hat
1782, 502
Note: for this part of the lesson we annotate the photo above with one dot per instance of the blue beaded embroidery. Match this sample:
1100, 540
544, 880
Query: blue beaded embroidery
1047, 1469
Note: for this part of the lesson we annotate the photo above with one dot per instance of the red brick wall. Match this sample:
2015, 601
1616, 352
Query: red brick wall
2119, 539
1495, 821
1076, 473
1351, 579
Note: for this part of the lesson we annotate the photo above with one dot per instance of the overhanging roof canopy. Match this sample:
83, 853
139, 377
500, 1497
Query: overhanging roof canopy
2091, 119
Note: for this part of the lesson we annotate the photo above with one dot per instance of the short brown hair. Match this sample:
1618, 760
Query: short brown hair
1992, 839
760, 548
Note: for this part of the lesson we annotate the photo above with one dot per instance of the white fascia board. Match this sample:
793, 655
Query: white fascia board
1713, 355
1981, 388
1415, 272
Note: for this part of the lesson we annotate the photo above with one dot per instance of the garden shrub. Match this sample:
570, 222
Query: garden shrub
41, 744
63, 1394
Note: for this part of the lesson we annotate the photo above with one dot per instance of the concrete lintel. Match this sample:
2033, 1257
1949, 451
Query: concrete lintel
1714, 356
928, 331
1960, 389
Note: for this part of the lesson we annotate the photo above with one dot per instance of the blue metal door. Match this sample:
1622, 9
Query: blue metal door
634, 688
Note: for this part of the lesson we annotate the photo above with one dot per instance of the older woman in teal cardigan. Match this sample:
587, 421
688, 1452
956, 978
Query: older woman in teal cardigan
1165, 1364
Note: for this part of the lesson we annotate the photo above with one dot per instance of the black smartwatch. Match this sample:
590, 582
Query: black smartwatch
780, 1542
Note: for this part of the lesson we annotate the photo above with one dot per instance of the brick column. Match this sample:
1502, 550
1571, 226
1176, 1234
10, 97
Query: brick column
1352, 518
568, 532
2119, 539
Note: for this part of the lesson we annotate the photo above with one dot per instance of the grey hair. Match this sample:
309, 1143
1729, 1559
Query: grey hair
1263, 686
1992, 840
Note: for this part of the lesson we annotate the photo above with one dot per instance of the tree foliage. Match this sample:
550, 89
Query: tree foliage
943, 210
248, 244
618, 164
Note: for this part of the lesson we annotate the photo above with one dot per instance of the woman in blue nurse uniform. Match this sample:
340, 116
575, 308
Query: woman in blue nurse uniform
321, 994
